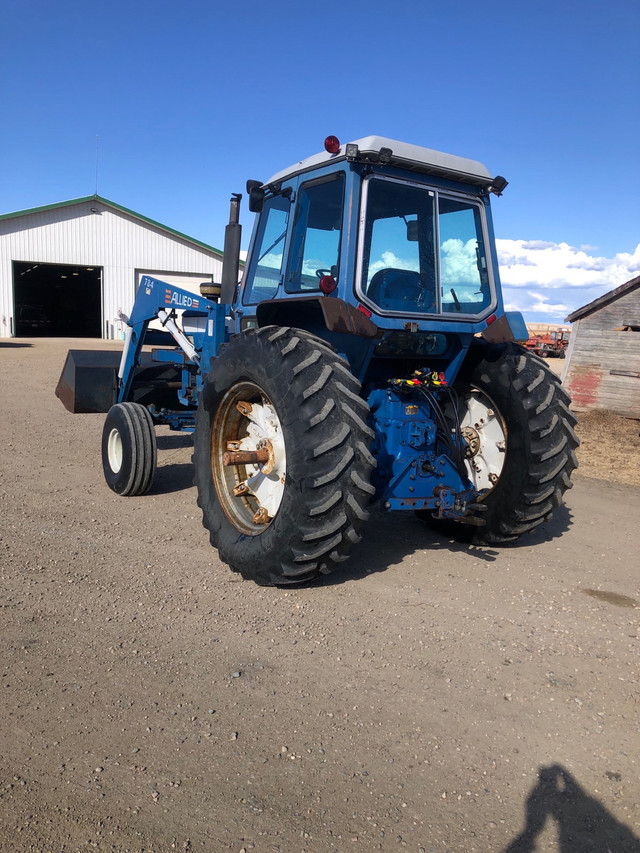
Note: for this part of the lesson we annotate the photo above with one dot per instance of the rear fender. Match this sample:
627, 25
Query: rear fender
350, 332
313, 312
507, 328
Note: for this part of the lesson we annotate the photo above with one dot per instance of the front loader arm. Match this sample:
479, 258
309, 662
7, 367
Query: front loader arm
157, 299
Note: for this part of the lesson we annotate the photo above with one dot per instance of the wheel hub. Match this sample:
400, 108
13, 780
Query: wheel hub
484, 431
114, 450
473, 441
248, 458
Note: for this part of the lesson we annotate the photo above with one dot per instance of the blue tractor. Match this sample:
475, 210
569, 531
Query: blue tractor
365, 356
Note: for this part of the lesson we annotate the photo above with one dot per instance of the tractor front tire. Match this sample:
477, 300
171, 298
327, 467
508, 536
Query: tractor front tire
282, 464
129, 449
538, 442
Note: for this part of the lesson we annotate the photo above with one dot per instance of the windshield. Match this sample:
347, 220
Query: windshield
423, 251
266, 261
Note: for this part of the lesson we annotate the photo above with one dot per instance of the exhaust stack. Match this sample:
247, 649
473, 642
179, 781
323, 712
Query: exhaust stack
231, 261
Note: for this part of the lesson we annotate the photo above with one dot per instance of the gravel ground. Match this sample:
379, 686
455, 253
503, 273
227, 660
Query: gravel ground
430, 696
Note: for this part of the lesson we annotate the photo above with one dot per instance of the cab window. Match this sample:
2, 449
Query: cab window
464, 276
399, 263
423, 251
265, 270
315, 246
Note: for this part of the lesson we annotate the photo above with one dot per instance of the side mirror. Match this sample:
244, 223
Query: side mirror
256, 196
412, 231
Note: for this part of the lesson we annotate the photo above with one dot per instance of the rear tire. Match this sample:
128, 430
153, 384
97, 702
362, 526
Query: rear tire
539, 454
129, 449
295, 516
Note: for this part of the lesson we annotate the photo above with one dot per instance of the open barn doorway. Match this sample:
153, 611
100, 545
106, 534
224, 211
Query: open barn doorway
57, 300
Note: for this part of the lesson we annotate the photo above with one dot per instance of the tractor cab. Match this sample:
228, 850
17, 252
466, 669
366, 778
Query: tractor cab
399, 232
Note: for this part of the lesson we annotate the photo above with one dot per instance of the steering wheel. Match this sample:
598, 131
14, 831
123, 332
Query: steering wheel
322, 273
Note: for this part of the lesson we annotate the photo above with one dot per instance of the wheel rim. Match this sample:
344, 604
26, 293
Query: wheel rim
486, 436
114, 450
248, 459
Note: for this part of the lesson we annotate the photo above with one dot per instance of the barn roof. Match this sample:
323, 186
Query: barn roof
117, 207
598, 303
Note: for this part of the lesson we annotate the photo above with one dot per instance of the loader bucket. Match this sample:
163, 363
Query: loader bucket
88, 382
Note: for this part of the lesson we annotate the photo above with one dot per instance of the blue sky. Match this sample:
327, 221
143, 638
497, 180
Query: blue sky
191, 99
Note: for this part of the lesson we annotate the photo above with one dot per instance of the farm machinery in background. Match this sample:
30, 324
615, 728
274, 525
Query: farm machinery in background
552, 344
366, 356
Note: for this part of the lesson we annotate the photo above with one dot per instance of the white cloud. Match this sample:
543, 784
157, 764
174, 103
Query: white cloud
550, 280
272, 261
559, 265
389, 259
310, 266
541, 303
459, 264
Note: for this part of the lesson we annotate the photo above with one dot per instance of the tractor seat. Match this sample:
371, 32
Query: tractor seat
397, 290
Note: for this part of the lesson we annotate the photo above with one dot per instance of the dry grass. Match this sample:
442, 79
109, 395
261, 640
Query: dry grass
609, 447
609, 444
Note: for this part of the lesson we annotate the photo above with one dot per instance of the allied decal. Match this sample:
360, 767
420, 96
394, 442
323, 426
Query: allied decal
180, 300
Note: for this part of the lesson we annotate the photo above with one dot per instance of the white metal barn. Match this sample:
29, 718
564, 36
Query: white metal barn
67, 269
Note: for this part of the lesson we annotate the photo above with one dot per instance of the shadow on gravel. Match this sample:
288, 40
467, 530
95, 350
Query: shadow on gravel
560, 522
387, 538
173, 477
174, 441
583, 822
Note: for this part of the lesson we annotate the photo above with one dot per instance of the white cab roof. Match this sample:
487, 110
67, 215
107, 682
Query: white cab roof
412, 157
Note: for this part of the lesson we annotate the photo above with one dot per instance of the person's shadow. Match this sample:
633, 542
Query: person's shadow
584, 825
